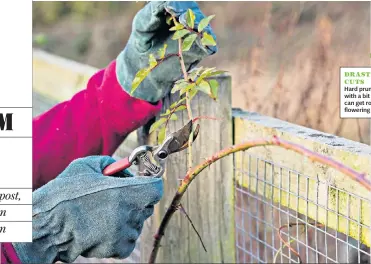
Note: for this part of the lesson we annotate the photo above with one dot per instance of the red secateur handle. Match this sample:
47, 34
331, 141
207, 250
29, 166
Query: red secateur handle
126, 162
117, 166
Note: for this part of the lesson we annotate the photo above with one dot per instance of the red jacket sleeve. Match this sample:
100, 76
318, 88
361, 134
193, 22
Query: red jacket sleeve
94, 122
8, 254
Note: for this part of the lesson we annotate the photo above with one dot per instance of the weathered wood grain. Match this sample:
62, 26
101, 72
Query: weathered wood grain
209, 200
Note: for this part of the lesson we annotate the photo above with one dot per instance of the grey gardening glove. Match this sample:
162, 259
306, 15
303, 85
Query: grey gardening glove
82, 212
149, 33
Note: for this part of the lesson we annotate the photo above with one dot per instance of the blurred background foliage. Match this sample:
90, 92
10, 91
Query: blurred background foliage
284, 57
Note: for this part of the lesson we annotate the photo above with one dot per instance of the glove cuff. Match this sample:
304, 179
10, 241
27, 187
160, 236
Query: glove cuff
39, 251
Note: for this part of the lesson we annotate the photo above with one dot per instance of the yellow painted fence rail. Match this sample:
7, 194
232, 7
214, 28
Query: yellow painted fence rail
321, 193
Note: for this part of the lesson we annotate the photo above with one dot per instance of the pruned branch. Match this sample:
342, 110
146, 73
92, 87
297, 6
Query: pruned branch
205, 117
193, 226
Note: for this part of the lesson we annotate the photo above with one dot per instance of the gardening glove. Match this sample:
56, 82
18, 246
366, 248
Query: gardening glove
149, 34
82, 212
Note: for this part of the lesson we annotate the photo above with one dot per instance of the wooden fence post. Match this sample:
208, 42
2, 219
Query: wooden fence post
209, 201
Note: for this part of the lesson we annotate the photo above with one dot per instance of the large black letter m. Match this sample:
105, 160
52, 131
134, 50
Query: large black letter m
6, 121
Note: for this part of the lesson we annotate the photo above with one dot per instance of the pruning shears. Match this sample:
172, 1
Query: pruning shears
154, 166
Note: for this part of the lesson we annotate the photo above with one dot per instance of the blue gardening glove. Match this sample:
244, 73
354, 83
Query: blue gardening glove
149, 33
82, 212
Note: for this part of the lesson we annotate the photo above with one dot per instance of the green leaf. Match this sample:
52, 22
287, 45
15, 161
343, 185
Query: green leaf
177, 106
204, 22
187, 88
195, 73
152, 61
139, 77
206, 72
161, 135
193, 93
180, 81
180, 33
204, 87
161, 52
215, 73
190, 18
188, 41
173, 117
181, 100
157, 124
168, 20
183, 91
214, 85
173, 105
180, 108
179, 86
178, 26
210, 72
208, 40
166, 113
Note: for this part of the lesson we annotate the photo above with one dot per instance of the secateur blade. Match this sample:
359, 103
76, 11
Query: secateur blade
195, 134
178, 140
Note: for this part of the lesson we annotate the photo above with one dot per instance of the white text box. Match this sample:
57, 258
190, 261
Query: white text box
15, 163
15, 231
355, 92
15, 213
15, 196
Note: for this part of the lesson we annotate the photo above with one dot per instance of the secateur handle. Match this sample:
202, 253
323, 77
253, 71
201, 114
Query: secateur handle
117, 166
127, 162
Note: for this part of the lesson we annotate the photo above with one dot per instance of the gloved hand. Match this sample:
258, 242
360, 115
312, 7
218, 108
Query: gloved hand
82, 212
149, 33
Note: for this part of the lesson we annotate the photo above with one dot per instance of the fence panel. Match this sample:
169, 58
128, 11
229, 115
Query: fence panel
322, 213
209, 199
